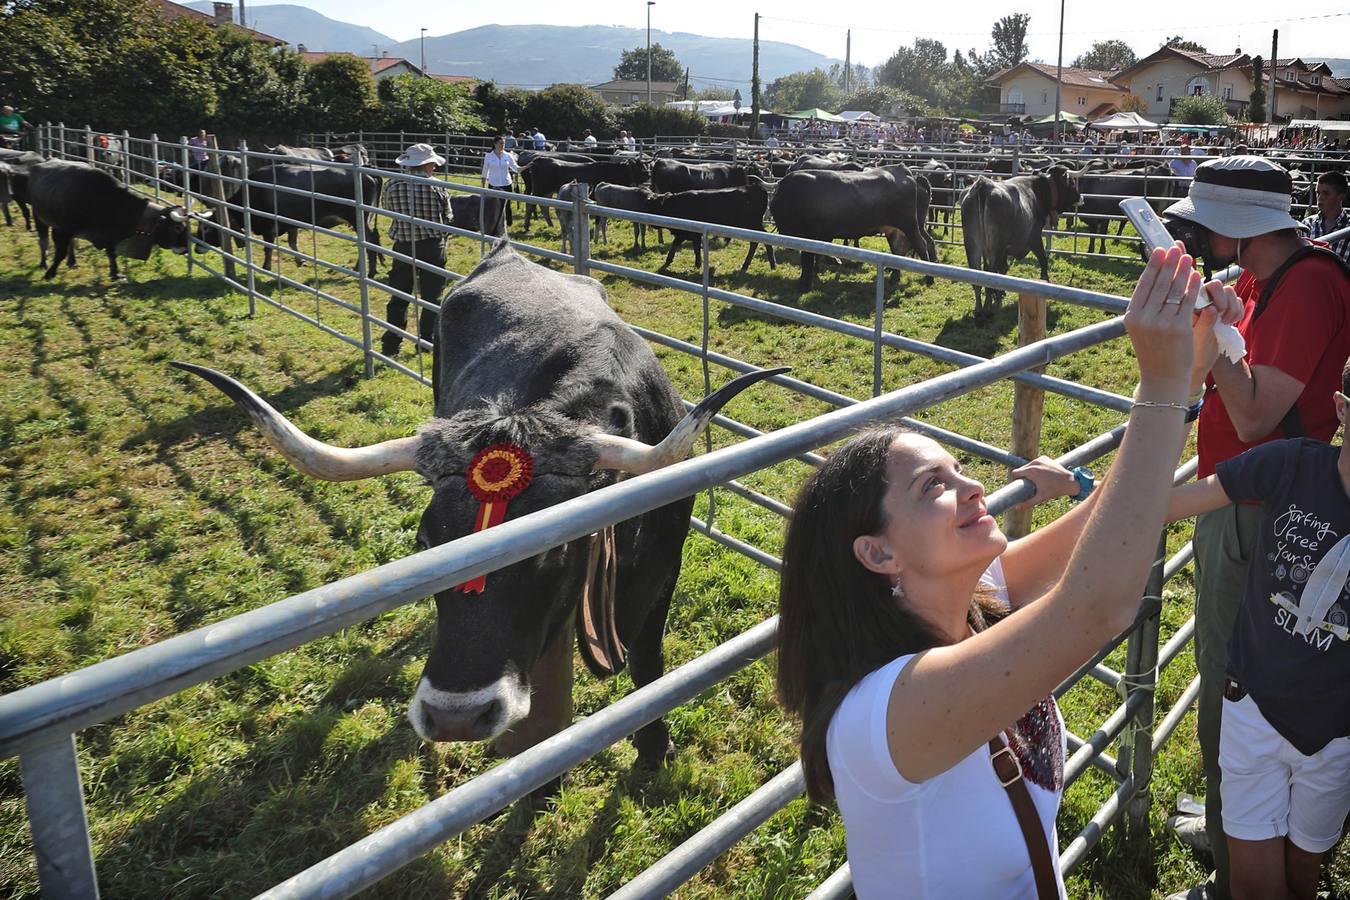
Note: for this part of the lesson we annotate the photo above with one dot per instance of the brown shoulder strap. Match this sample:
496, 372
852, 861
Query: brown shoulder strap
1009, 772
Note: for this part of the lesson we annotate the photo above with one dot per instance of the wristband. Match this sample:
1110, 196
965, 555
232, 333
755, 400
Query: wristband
1193, 411
1085, 483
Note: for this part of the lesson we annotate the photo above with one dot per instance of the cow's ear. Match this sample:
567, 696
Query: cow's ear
620, 419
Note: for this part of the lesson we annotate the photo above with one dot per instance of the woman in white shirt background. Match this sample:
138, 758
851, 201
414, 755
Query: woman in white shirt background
912, 633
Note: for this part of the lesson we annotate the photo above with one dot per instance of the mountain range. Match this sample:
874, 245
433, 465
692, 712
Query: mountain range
1339, 67
302, 25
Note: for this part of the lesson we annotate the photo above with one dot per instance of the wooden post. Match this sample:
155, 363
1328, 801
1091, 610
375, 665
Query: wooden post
1028, 405
222, 216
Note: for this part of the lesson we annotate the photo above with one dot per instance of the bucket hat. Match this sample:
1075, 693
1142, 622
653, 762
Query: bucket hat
418, 155
1238, 197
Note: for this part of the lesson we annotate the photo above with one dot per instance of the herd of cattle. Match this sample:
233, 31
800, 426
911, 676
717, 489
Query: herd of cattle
822, 196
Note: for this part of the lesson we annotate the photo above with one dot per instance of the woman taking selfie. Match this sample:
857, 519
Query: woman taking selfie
920, 649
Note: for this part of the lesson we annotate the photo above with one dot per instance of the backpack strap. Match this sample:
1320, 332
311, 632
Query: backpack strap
1009, 773
1292, 423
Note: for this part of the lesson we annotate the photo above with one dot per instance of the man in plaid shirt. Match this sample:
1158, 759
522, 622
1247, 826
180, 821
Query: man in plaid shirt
1331, 213
430, 204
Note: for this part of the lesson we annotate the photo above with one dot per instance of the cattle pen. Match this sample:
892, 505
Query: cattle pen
39, 723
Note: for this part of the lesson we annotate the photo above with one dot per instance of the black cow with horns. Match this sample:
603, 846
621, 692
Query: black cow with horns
540, 375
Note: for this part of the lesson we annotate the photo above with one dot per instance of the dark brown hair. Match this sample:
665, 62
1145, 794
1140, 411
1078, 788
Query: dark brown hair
838, 620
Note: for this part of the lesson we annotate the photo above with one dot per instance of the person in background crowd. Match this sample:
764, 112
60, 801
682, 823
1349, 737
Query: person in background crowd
509, 141
920, 649
1183, 163
1124, 149
771, 140
198, 155
12, 124
588, 139
540, 142
421, 242
1331, 213
1297, 331
629, 142
498, 167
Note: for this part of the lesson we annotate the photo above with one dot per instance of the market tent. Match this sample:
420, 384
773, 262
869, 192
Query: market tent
817, 113
1124, 121
1071, 118
859, 115
1324, 124
713, 109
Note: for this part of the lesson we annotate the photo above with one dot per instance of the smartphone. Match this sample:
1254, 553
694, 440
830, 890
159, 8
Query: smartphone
1152, 230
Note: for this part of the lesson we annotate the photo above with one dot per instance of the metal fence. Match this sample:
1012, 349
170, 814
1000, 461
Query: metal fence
39, 723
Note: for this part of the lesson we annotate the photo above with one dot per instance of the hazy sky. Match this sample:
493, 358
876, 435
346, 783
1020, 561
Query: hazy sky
879, 27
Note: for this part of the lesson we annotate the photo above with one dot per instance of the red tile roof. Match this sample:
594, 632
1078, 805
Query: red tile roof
1089, 78
171, 11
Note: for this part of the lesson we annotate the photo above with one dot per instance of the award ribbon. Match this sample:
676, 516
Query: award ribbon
496, 475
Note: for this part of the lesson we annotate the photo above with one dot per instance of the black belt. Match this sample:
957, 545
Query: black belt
1232, 690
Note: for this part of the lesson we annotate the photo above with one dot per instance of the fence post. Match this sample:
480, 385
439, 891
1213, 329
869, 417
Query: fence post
154, 163
126, 158
363, 270
248, 228
1135, 753
55, 800
89, 145
222, 214
185, 160
876, 330
1028, 404
581, 229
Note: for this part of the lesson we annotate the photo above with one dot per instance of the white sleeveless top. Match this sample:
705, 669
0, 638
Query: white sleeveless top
954, 835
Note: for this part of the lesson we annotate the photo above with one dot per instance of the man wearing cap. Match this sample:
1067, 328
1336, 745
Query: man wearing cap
421, 242
1297, 331
1331, 213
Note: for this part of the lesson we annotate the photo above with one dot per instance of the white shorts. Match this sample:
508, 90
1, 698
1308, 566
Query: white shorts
1271, 790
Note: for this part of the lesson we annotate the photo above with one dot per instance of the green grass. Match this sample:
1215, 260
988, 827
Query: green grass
138, 504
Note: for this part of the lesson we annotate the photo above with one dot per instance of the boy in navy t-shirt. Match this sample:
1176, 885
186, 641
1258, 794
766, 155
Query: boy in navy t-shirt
1285, 745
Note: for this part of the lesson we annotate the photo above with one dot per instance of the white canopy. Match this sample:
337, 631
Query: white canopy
859, 115
1324, 124
1124, 121
713, 109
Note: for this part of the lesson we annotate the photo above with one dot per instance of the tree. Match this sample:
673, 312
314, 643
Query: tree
1257, 111
1009, 36
502, 110
1107, 56
802, 90
566, 111
260, 91
1200, 109
341, 93
633, 65
914, 69
859, 76
711, 93
413, 103
644, 120
1133, 103
1181, 43
886, 101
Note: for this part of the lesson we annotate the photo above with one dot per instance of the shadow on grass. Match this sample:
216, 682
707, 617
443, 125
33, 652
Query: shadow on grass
983, 335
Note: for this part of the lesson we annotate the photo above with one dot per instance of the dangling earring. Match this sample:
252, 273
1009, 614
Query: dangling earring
896, 591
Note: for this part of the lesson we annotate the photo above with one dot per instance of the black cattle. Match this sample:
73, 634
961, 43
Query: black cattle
940, 179
888, 200
75, 200
632, 199
670, 176
1102, 193
535, 359
824, 164
548, 174
738, 207
14, 166
464, 208
1004, 220
318, 153
267, 203
1003, 165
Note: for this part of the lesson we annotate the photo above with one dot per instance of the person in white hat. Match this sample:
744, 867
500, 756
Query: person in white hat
424, 242
1296, 325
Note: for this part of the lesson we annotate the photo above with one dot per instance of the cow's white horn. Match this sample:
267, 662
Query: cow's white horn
315, 458
614, 452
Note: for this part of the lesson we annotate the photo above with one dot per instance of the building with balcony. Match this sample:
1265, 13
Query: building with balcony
631, 93
1028, 89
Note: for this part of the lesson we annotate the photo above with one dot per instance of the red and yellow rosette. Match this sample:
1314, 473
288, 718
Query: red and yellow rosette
496, 475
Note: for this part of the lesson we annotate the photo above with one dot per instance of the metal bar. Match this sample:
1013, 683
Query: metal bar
1141, 678
676, 867
362, 268
880, 302
839, 886
248, 232
1073, 854
1101, 761
55, 799
1176, 714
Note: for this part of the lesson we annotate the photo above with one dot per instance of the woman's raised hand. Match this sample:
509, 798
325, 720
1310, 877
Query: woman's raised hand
1158, 321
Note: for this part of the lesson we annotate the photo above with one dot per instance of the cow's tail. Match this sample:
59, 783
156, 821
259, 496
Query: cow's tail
975, 228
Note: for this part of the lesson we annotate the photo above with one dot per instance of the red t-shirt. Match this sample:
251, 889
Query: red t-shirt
1305, 333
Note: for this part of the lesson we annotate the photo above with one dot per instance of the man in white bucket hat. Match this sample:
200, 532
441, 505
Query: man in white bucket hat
423, 242
1296, 326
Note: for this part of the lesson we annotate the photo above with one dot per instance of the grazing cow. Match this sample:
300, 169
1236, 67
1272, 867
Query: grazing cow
464, 210
76, 200
824, 164
1102, 193
1004, 220
822, 206
670, 176
632, 199
268, 203
739, 207
535, 367
14, 166
548, 174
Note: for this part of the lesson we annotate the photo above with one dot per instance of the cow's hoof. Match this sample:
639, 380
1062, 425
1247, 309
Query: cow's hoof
540, 798
653, 752
118, 277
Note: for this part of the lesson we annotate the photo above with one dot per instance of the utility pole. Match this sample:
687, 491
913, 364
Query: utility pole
650, 4
1274, 73
1059, 71
424, 51
754, 85
243, 22
848, 55
685, 94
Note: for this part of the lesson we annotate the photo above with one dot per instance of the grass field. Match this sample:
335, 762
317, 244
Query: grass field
138, 504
